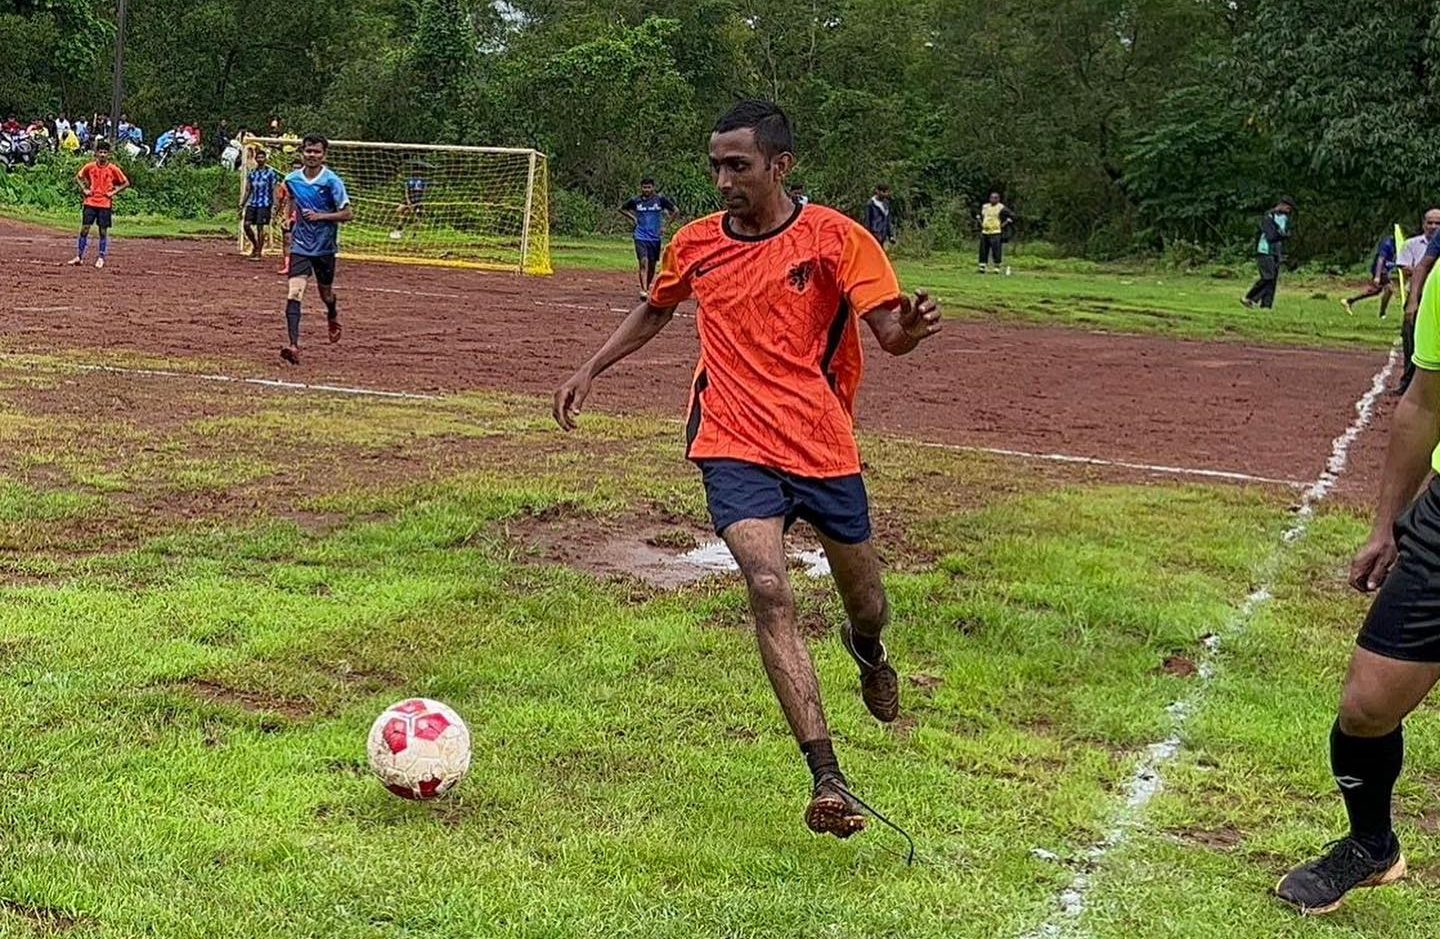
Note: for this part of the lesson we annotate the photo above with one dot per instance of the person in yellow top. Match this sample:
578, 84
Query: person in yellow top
995, 220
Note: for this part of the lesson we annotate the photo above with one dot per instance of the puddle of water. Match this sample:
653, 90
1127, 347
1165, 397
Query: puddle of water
714, 557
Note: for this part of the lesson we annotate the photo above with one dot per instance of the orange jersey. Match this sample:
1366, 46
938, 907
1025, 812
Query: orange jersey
103, 181
780, 357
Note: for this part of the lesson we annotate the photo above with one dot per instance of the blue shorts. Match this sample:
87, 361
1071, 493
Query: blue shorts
837, 508
647, 251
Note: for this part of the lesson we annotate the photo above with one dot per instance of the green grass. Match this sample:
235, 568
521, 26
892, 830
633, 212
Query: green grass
129, 226
209, 593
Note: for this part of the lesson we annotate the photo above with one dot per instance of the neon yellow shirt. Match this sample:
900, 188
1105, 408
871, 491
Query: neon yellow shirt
990, 222
1427, 342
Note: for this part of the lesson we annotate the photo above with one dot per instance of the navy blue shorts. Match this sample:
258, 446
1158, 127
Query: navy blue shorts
647, 251
90, 215
838, 508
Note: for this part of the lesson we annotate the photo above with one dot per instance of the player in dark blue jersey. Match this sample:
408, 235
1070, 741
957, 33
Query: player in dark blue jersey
648, 213
320, 204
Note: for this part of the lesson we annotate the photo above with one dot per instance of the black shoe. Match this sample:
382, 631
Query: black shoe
1318, 886
833, 810
879, 685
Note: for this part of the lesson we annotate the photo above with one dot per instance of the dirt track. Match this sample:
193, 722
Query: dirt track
1243, 408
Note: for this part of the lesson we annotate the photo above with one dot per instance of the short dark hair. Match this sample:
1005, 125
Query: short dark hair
648, 181
312, 139
883, 187
773, 133
102, 144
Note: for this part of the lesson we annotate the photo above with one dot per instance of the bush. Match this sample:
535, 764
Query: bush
180, 192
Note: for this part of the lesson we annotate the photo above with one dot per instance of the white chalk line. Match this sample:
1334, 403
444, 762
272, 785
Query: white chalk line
1228, 475
361, 391
263, 382
1148, 779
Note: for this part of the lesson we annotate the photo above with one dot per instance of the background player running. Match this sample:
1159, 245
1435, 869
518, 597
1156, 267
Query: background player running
321, 204
101, 181
781, 289
1382, 271
648, 213
259, 202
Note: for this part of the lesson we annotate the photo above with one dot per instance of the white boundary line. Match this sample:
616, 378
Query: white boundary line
1148, 779
263, 382
360, 391
1122, 464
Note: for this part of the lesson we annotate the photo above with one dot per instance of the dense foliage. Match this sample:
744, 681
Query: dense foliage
1112, 125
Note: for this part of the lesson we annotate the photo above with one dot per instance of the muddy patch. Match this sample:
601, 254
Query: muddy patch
656, 549
256, 702
44, 920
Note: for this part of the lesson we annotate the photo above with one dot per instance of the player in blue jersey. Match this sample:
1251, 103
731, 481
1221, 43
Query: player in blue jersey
259, 202
414, 205
320, 204
648, 213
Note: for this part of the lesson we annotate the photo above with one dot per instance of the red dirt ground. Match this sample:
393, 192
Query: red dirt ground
1268, 411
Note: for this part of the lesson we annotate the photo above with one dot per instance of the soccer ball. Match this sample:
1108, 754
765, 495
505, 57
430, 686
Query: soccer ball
396, 235
420, 749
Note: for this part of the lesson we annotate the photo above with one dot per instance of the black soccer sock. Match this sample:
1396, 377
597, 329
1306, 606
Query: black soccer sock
330, 311
1366, 769
292, 320
868, 647
820, 756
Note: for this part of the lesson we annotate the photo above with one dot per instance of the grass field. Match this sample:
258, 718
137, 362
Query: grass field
211, 589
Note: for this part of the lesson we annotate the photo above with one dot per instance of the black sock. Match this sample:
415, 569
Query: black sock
292, 320
867, 646
1366, 769
820, 756
330, 311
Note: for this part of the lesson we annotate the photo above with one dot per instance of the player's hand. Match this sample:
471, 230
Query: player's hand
919, 318
1375, 280
310, 215
570, 398
1372, 563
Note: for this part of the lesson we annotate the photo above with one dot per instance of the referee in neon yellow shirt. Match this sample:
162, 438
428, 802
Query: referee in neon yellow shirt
994, 219
1397, 657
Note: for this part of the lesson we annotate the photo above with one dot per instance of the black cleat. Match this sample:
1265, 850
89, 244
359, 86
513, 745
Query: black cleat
879, 685
1318, 887
833, 810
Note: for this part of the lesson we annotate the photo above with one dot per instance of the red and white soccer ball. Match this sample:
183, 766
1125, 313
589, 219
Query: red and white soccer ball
420, 749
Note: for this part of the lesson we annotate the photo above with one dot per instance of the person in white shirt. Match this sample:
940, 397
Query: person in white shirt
1408, 258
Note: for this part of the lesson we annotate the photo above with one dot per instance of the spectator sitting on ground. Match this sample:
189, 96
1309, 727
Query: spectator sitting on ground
11, 126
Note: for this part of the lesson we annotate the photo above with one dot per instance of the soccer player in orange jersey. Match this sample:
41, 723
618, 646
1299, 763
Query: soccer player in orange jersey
781, 288
101, 181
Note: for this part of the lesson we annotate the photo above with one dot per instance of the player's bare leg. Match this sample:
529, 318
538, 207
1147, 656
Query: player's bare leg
294, 298
759, 548
332, 315
856, 571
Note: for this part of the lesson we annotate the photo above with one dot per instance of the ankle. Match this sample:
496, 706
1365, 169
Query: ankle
820, 757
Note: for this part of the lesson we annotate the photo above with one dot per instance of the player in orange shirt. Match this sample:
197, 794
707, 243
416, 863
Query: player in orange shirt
781, 288
101, 181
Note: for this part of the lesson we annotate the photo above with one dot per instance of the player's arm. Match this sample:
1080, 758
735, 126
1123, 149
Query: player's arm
1418, 278
1414, 434
626, 210
123, 185
82, 179
900, 329
642, 324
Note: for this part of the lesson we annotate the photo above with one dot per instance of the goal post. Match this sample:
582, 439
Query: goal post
481, 207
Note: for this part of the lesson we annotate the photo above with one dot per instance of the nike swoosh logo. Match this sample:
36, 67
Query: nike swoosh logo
1349, 782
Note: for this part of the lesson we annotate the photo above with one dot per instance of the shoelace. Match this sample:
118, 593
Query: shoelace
910, 856
1345, 863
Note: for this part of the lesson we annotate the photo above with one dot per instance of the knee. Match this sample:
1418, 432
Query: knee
296, 292
1362, 715
770, 597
